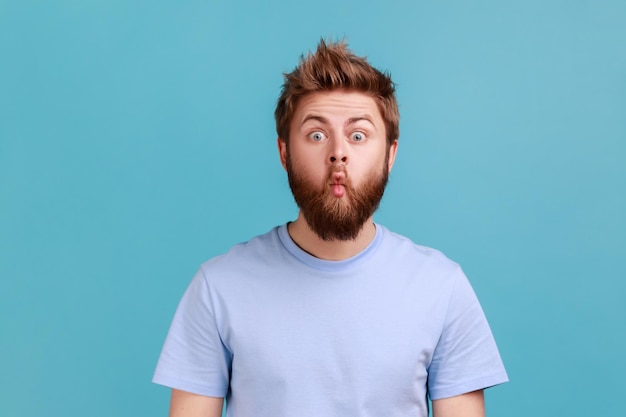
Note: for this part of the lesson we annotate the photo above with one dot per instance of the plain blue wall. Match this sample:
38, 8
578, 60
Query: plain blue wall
137, 140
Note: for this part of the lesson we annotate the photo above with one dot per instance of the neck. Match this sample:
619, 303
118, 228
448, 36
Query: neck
330, 250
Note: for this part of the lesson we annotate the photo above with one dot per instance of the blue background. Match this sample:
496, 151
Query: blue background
137, 140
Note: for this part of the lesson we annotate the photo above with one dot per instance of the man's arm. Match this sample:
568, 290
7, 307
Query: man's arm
186, 404
471, 404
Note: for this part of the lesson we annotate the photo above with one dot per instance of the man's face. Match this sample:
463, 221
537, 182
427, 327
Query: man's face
337, 160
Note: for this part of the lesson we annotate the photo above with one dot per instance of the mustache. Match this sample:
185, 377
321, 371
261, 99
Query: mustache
335, 168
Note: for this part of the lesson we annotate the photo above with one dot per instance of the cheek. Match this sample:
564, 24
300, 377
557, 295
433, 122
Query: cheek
315, 172
308, 157
373, 160
307, 164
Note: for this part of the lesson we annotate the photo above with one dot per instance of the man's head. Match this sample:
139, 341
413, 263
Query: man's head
337, 120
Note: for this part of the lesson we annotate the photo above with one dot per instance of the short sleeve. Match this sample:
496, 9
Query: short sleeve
466, 357
193, 358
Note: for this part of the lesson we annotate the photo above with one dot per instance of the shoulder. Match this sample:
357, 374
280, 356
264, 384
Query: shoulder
245, 256
258, 247
402, 249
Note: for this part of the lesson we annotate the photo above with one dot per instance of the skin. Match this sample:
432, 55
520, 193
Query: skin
336, 127
471, 404
186, 404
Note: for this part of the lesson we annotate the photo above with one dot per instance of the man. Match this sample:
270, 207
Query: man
332, 314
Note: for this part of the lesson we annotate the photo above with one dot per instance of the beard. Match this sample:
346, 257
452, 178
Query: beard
333, 218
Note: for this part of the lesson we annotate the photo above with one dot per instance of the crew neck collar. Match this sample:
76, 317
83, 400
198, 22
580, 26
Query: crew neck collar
326, 265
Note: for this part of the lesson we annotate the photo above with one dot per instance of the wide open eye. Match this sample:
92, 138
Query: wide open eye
317, 136
357, 136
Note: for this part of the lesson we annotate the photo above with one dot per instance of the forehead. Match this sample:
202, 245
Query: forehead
337, 103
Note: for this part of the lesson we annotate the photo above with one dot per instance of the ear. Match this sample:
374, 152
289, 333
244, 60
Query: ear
282, 152
393, 149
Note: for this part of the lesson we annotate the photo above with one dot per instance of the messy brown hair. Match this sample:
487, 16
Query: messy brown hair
333, 66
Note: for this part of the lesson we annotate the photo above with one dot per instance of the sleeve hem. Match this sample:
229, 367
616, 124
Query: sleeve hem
468, 386
219, 392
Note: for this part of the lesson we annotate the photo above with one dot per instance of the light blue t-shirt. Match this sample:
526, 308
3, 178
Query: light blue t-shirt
281, 333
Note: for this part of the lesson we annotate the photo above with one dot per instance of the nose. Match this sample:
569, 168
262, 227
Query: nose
338, 152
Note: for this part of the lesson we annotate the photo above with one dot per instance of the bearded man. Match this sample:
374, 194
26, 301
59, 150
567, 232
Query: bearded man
331, 314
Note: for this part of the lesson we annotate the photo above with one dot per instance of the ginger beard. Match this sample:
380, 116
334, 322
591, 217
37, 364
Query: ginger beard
330, 217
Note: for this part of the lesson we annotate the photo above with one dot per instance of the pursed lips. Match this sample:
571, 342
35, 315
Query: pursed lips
338, 179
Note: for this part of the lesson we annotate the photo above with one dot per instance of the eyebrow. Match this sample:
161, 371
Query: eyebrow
314, 117
365, 117
350, 121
